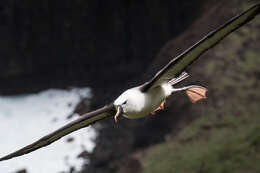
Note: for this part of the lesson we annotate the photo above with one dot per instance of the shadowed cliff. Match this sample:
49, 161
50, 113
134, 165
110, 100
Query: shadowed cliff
83, 43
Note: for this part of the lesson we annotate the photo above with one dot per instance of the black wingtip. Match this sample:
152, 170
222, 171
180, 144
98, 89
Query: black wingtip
5, 158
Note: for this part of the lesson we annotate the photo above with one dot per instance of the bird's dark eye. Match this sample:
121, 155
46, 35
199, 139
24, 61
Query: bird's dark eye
125, 102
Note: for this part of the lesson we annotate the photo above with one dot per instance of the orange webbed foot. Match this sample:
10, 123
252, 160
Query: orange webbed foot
196, 93
161, 107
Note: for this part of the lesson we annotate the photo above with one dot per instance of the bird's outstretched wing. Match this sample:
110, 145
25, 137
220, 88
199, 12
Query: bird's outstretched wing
84, 121
181, 62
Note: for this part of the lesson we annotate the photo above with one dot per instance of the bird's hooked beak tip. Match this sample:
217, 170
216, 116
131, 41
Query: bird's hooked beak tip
119, 111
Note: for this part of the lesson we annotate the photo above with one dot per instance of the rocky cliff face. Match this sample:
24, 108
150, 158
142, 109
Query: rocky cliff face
118, 143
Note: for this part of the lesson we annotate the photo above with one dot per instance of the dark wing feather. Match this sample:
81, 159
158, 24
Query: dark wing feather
181, 62
84, 121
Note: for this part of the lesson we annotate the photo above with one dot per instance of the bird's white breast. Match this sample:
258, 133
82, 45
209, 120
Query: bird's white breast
141, 104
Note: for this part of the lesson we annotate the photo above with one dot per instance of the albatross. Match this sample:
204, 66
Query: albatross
150, 97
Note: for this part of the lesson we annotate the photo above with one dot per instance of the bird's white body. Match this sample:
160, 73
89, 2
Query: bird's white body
139, 104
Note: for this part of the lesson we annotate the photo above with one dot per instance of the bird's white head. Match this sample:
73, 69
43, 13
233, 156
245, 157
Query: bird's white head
122, 100
128, 102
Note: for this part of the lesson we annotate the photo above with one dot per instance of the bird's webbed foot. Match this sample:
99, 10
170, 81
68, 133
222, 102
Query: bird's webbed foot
161, 107
196, 93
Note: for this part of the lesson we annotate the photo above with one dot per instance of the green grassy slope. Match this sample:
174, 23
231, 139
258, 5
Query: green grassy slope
230, 144
226, 136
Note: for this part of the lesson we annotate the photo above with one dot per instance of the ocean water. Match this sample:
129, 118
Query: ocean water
26, 118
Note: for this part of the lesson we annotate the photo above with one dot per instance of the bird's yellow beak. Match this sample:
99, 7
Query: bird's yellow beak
119, 111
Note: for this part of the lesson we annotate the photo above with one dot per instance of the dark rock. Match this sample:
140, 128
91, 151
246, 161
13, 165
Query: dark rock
130, 165
70, 139
22, 171
84, 154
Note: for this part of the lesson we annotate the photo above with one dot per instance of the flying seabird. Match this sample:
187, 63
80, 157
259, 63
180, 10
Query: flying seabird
149, 97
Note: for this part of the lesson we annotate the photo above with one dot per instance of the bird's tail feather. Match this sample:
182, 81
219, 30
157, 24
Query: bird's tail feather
180, 78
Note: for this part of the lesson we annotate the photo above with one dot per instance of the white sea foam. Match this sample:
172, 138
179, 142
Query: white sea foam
26, 118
